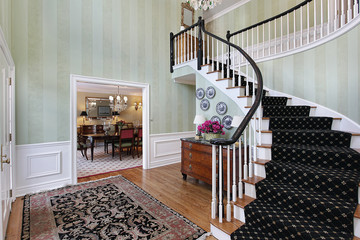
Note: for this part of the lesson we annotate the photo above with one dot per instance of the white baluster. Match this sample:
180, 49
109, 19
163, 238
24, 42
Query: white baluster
242, 45
335, 16
288, 31
252, 42
301, 26
349, 11
322, 19
188, 46
175, 49
263, 40
356, 8
208, 49
196, 45
212, 54
281, 34
257, 41
227, 61
191, 45
203, 46
240, 169
269, 33
294, 29
234, 190
275, 37
245, 155
314, 21
342, 13
247, 65
228, 206
213, 183
328, 6
220, 185
308, 23
183, 48
217, 55
260, 122
222, 60
233, 67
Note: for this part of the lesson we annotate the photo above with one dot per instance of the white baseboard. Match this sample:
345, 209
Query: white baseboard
40, 167
165, 148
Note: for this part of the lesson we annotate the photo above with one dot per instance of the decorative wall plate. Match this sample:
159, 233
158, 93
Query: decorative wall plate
210, 92
204, 104
221, 108
226, 121
216, 118
200, 93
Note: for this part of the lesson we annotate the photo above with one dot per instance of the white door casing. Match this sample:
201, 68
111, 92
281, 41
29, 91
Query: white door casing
7, 132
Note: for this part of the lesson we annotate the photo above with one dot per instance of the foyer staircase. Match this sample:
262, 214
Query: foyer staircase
300, 178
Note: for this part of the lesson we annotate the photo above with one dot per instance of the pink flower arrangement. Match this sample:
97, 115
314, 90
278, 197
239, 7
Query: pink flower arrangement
211, 127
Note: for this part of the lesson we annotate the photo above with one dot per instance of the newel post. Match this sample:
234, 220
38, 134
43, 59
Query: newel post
200, 48
171, 52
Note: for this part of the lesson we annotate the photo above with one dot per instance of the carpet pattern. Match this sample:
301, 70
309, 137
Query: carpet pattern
311, 185
114, 208
104, 162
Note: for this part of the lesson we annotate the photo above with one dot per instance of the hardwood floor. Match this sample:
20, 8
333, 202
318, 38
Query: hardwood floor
190, 198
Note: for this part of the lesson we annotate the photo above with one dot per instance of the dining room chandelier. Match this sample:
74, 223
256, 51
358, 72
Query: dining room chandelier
203, 4
120, 103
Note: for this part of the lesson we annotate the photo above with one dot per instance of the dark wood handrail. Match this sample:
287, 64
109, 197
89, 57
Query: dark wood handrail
258, 96
229, 35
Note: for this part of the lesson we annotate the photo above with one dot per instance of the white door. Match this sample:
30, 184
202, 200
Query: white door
5, 141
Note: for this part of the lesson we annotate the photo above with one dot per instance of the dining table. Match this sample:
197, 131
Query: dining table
99, 136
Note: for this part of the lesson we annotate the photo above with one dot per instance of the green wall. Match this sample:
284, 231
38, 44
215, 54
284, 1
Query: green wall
126, 40
5, 19
327, 74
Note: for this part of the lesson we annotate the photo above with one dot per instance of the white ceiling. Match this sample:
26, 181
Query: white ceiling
107, 89
224, 7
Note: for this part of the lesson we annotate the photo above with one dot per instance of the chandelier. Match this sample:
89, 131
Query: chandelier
120, 103
203, 4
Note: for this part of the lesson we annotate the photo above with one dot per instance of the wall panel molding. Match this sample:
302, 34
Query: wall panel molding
165, 148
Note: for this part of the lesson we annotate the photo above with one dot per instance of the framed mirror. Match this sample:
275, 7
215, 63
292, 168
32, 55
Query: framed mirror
187, 15
98, 107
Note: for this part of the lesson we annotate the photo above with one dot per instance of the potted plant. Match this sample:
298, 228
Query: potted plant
211, 129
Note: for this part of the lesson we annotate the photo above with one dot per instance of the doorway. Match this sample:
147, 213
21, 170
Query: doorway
95, 105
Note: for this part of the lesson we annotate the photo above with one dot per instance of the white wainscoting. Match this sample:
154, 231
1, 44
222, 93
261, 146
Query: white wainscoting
165, 148
40, 167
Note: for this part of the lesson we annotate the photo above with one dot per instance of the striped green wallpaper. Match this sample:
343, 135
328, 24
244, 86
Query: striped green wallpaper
327, 75
5, 19
126, 40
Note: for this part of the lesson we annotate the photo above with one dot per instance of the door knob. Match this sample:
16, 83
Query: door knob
4, 159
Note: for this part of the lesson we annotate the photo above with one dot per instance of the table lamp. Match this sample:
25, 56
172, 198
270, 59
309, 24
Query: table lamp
199, 119
236, 123
83, 114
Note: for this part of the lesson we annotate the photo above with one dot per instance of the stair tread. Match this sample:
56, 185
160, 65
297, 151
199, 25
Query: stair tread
235, 87
270, 131
268, 118
208, 64
253, 180
261, 161
222, 79
357, 211
242, 202
225, 226
265, 146
214, 71
285, 106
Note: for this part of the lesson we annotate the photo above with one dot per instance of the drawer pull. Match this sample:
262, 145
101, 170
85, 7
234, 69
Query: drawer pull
190, 145
190, 166
190, 155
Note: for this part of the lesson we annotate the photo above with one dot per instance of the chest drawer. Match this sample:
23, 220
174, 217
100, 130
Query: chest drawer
197, 147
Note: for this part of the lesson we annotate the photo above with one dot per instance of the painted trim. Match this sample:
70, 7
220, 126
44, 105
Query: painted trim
105, 81
169, 155
56, 171
226, 10
41, 187
5, 49
46, 144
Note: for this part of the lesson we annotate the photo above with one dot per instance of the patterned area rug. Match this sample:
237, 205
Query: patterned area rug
114, 208
104, 163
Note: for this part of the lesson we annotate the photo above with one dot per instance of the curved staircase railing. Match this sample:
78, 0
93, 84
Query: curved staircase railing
301, 26
218, 55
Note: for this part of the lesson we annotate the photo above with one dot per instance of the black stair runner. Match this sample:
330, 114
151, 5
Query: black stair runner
311, 185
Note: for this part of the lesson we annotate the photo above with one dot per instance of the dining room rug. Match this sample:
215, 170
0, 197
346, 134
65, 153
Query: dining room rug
112, 208
104, 162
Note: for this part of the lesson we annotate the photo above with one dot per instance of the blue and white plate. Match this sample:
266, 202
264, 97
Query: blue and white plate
221, 108
226, 121
204, 104
216, 118
200, 93
210, 92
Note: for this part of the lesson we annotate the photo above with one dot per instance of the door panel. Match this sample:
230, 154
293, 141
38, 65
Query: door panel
5, 141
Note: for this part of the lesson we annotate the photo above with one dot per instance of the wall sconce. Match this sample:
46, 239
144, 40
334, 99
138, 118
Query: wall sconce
137, 106
83, 114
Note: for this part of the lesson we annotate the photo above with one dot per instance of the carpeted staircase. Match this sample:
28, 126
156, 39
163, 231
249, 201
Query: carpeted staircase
311, 185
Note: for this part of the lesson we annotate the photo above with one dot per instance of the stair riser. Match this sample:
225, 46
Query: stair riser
357, 227
239, 213
259, 170
250, 190
219, 234
264, 153
355, 142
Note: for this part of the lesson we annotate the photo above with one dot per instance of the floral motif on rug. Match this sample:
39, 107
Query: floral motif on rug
114, 208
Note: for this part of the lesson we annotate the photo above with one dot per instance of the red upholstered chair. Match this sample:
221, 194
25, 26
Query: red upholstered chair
139, 141
126, 140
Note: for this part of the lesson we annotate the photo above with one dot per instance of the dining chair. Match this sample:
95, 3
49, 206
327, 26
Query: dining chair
139, 141
126, 140
114, 129
82, 145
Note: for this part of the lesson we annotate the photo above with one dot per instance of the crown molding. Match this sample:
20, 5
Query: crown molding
226, 10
